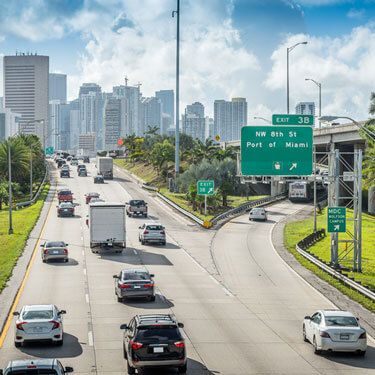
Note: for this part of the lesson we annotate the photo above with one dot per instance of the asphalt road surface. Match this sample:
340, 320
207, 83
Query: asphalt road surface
246, 320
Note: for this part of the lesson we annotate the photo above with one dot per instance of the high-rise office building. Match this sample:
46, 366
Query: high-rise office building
167, 99
131, 111
209, 128
9, 123
26, 91
59, 125
57, 86
152, 114
194, 122
74, 122
229, 118
305, 108
87, 144
112, 122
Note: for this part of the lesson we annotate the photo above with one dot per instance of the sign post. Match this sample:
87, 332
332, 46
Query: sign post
205, 187
293, 120
336, 220
49, 150
276, 150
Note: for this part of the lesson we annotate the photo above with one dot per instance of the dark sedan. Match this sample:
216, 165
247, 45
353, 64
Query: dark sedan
65, 209
99, 179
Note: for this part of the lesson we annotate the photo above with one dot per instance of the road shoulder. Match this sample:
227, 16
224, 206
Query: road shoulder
343, 302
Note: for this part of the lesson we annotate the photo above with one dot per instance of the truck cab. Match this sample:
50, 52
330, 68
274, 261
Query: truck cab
136, 207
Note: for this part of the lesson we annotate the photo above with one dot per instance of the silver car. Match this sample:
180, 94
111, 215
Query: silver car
35, 366
38, 323
152, 232
55, 250
136, 283
258, 213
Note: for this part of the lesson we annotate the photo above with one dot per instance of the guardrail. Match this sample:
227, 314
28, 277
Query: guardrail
148, 187
247, 206
30, 202
308, 241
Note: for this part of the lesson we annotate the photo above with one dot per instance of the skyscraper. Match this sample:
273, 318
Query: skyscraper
112, 122
152, 114
57, 86
26, 91
305, 108
229, 118
194, 122
167, 99
74, 123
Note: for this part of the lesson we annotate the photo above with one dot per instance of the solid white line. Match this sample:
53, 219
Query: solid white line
135, 251
87, 298
85, 271
83, 252
82, 238
91, 339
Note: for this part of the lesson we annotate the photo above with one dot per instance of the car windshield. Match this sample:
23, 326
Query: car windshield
136, 276
154, 227
137, 203
65, 192
32, 371
37, 314
158, 333
55, 244
342, 321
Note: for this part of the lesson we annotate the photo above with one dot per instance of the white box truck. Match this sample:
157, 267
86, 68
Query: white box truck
104, 165
106, 222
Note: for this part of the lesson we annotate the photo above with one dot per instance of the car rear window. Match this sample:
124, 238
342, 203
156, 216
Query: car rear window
55, 244
343, 321
158, 333
65, 192
257, 210
137, 203
32, 371
66, 205
154, 227
37, 314
136, 276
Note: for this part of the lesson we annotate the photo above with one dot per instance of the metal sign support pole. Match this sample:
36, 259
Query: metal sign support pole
336, 203
359, 226
315, 224
355, 213
205, 205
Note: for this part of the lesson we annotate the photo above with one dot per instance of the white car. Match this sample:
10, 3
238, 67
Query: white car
39, 323
334, 330
258, 213
152, 232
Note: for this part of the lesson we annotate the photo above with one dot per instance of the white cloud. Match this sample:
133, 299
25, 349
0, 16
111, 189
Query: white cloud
213, 62
356, 13
343, 65
321, 2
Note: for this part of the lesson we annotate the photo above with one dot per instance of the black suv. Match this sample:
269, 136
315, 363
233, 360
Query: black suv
154, 341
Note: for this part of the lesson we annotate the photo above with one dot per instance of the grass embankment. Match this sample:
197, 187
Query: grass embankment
11, 246
150, 176
295, 231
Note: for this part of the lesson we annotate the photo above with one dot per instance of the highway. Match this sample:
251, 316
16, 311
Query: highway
242, 306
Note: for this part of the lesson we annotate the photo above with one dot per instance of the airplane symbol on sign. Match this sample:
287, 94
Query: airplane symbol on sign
294, 166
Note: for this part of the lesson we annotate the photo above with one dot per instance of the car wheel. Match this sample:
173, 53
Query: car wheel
362, 353
131, 370
17, 344
164, 243
60, 342
304, 334
124, 352
183, 369
143, 242
120, 299
145, 215
152, 298
66, 260
44, 261
316, 350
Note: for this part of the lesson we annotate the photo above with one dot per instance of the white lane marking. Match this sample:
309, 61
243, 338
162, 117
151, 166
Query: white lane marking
85, 271
87, 298
91, 338
83, 252
226, 291
81, 238
135, 251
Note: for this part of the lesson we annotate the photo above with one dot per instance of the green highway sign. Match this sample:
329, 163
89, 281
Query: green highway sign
336, 219
49, 150
205, 187
276, 150
292, 120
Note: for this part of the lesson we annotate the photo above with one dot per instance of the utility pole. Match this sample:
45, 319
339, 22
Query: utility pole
315, 224
10, 200
320, 98
177, 136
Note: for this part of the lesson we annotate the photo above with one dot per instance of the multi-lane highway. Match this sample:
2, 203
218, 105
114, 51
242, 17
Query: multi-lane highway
241, 305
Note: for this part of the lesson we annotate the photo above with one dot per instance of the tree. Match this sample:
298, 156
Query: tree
4, 196
161, 154
369, 159
20, 157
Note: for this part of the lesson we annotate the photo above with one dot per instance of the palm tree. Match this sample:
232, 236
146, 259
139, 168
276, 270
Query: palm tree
19, 158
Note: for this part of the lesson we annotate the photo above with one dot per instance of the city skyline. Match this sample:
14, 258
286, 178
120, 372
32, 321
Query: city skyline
248, 64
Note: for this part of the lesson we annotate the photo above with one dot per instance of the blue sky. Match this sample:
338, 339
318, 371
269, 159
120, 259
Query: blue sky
229, 47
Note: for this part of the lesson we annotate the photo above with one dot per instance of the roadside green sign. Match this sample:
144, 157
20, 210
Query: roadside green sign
292, 120
49, 150
336, 219
276, 150
205, 187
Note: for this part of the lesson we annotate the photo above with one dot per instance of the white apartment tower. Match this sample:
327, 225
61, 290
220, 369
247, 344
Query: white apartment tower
26, 84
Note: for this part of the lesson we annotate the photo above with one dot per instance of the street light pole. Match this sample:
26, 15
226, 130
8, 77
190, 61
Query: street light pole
288, 50
177, 136
262, 118
320, 98
10, 200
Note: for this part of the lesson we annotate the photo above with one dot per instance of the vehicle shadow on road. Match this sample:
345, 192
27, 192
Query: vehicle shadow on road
70, 262
353, 360
147, 258
194, 367
71, 348
161, 302
120, 179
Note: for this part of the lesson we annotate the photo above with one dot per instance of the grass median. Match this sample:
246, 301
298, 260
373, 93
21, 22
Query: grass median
297, 230
11, 246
